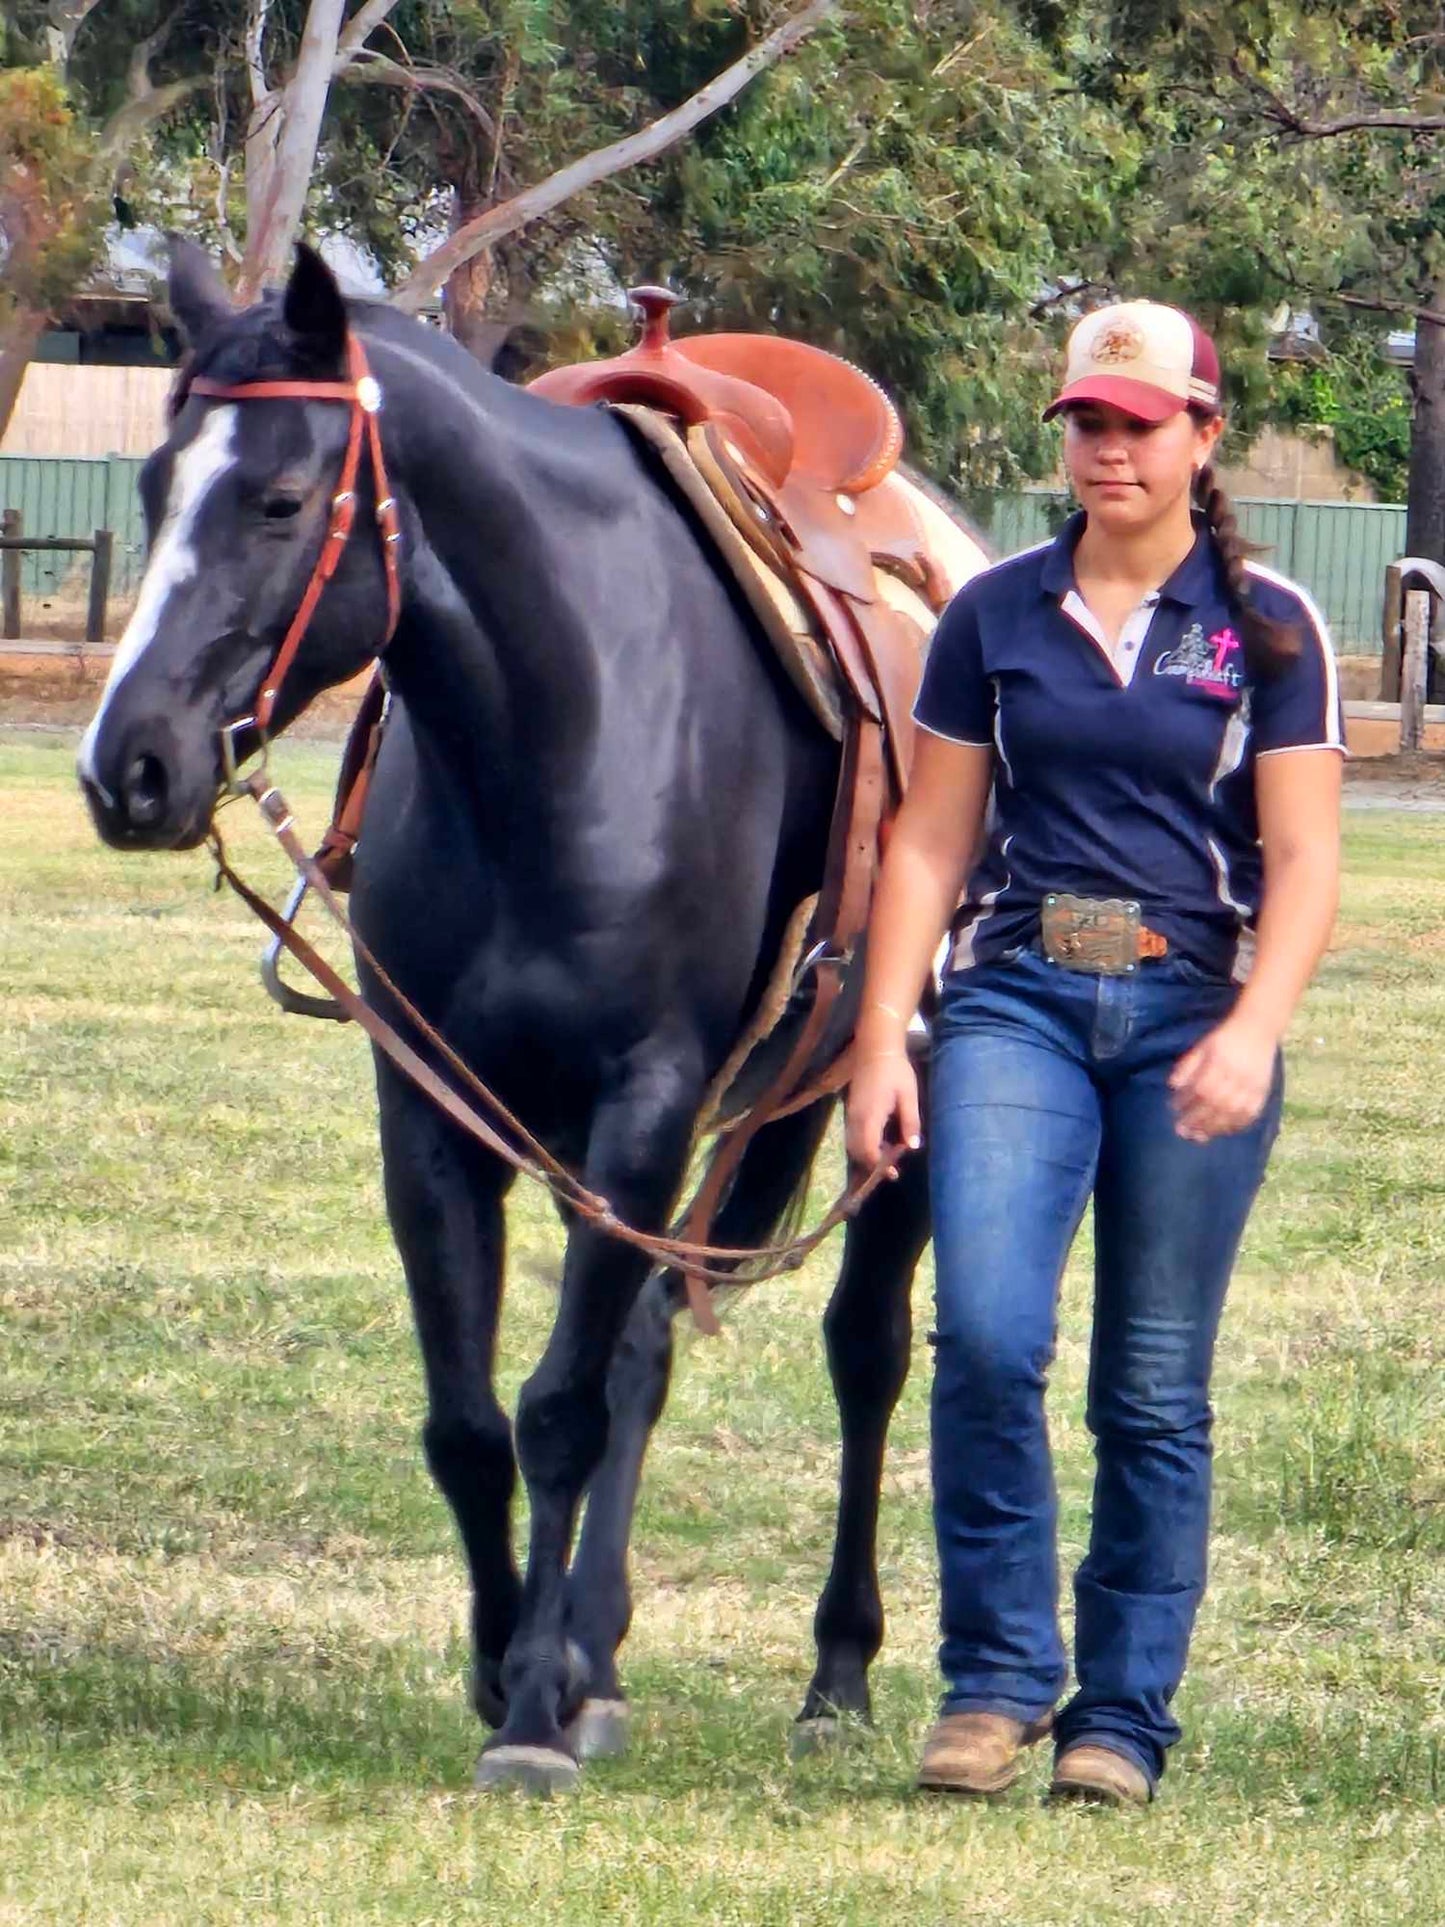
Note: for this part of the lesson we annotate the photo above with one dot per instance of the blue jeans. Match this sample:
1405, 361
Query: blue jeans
1049, 1084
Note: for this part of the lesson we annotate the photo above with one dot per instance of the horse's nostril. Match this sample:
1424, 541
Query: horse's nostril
145, 791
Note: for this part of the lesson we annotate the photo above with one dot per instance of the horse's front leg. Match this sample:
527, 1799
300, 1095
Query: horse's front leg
868, 1328
636, 1154
600, 1600
444, 1198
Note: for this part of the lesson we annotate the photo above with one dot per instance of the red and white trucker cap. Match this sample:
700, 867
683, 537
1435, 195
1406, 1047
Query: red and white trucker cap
1140, 356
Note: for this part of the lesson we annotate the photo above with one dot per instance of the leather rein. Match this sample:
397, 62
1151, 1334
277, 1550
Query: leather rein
487, 1119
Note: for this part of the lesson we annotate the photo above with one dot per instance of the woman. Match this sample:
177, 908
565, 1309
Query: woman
1157, 724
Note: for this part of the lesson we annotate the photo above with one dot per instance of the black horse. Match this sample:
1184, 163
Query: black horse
596, 806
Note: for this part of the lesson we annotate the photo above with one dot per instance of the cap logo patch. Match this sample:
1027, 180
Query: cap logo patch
1120, 341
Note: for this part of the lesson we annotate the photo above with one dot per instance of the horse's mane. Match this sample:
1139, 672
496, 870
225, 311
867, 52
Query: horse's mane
256, 344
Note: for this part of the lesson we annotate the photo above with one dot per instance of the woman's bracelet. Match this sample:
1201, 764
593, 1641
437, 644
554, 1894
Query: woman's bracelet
877, 1056
877, 1003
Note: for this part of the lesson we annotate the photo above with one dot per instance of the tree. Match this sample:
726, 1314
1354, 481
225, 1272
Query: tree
283, 129
57, 153
484, 229
1330, 123
50, 215
1361, 398
901, 188
904, 194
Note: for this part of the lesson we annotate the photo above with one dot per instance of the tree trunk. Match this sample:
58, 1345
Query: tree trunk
1425, 515
299, 112
464, 298
263, 137
1425, 522
19, 332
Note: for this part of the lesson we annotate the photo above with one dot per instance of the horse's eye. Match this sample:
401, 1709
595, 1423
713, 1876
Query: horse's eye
281, 508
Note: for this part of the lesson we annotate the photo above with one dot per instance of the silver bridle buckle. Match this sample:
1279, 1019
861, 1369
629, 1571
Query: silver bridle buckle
231, 763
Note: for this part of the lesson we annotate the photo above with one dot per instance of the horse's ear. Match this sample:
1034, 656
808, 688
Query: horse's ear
196, 293
313, 308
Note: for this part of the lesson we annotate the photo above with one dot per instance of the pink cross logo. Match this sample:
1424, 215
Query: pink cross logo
1225, 642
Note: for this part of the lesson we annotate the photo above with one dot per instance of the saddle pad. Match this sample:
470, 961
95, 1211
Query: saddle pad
782, 615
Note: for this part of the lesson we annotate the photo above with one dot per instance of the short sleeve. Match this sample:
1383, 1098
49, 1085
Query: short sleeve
956, 699
1300, 708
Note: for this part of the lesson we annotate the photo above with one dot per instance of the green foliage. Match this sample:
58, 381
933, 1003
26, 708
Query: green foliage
1363, 399
901, 192
50, 215
918, 187
1294, 192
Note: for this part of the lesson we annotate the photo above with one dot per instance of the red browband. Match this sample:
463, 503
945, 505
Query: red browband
362, 393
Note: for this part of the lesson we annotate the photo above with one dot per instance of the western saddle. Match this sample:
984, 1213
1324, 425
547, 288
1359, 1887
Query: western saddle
789, 457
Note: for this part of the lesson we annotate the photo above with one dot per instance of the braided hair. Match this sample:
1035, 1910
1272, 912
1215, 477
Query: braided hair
1269, 646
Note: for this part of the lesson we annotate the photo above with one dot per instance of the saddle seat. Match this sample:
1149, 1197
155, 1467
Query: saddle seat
846, 433
792, 410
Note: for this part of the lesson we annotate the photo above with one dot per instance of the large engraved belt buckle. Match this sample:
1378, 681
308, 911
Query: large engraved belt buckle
1100, 934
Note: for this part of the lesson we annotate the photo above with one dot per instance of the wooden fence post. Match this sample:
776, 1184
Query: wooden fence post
99, 585
1391, 618
1414, 668
11, 524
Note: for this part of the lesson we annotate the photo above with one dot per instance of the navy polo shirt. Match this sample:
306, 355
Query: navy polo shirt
1124, 771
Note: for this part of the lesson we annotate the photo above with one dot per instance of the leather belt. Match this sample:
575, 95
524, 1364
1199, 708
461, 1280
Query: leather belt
1105, 935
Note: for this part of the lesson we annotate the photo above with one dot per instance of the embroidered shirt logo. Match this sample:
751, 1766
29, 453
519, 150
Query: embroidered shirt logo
1210, 664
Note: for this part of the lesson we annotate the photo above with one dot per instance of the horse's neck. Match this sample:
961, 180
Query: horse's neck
497, 653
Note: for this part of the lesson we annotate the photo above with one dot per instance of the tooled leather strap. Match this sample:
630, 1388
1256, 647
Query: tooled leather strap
841, 915
363, 395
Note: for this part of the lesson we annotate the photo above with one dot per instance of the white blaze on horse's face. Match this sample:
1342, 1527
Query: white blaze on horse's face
198, 467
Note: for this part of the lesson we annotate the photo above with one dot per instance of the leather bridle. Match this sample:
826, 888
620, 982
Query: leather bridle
361, 392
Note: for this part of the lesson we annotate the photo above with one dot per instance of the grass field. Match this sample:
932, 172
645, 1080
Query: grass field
231, 1650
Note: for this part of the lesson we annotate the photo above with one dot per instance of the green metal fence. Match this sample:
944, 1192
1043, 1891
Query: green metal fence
1337, 550
63, 495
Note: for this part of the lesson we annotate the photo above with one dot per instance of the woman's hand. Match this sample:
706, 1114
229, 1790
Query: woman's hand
884, 1086
1223, 1084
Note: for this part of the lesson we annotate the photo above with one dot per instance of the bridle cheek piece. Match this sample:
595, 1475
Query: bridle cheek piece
362, 394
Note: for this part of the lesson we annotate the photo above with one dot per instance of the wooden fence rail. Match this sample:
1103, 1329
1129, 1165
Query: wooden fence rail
14, 543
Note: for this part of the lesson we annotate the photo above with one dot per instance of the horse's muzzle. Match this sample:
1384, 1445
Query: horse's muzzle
145, 795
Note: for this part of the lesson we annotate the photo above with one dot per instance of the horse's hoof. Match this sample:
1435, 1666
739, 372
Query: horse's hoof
825, 1733
600, 1730
539, 1770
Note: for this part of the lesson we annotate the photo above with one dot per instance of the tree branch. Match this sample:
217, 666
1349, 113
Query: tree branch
358, 29
63, 21
269, 239
131, 120
489, 228
261, 89
1437, 315
368, 65
1277, 109
1370, 123
1041, 308
1369, 304
145, 103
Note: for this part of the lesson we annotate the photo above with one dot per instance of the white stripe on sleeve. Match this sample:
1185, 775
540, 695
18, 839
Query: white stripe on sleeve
1330, 736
